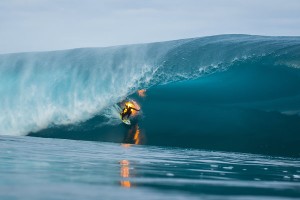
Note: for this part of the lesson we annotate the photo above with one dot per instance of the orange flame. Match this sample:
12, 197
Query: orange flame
142, 93
133, 136
133, 104
124, 162
126, 145
136, 136
124, 173
124, 168
125, 184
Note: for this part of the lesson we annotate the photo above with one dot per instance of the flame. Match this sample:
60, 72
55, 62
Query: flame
133, 104
124, 162
124, 173
136, 137
126, 145
125, 184
142, 93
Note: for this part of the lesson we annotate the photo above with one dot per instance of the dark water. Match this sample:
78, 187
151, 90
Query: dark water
37, 168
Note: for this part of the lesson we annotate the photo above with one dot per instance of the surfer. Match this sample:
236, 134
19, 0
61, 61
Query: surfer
127, 111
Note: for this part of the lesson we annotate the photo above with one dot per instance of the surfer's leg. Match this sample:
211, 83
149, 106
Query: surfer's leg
129, 113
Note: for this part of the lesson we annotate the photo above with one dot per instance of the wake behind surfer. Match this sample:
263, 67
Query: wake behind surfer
127, 111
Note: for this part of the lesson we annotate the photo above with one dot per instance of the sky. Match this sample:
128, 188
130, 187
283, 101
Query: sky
43, 25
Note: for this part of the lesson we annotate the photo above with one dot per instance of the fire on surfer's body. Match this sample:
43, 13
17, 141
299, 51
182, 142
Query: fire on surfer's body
127, 111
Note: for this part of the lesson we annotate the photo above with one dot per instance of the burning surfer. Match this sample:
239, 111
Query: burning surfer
127, 111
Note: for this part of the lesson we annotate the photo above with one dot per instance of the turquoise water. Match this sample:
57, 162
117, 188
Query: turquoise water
42, 168
219, 119
227, 92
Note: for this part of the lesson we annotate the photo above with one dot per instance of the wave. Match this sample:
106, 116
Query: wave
192, 86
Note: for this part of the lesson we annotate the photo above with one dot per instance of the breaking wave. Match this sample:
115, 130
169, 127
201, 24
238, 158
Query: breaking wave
225, 81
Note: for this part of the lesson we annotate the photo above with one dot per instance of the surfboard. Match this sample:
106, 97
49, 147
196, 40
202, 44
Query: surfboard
125, 121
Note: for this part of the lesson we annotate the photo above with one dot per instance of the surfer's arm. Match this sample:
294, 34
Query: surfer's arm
135, 109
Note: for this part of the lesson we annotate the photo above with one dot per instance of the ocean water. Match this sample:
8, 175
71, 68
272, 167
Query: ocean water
219, 118
44, 168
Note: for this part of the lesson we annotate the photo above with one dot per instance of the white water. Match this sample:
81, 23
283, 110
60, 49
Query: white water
41, 89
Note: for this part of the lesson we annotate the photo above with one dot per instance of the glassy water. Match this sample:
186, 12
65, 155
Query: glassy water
42, 168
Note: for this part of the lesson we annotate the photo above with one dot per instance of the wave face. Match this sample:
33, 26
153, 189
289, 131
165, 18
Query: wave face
211, 92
